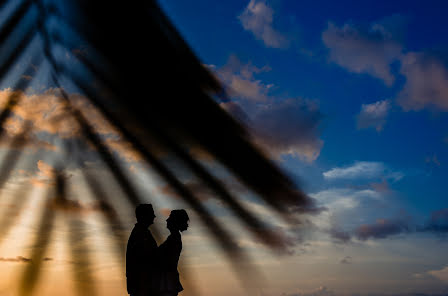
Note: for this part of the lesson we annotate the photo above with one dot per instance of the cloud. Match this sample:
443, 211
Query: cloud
240, 79
373, 115
124, 149
438, 222
19, 259
358, 50
291, 236
441, 274
426, 82
24, 141
257, 18
360, 169
48, 112
339, 199
45, 169
45, 174
346, 260
47, 115
345, 207
281, 126
382, 228
289, 128
340, 236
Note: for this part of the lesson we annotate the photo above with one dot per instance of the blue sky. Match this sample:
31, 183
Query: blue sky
412, 141
359, 89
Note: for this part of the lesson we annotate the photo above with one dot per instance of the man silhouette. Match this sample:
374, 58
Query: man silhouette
141, 256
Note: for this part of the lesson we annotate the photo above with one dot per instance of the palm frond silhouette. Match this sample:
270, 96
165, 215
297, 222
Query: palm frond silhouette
143, 79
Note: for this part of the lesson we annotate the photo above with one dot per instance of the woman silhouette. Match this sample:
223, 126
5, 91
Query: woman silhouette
169, 253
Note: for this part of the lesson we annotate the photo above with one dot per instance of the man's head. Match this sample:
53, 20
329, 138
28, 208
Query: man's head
145, 214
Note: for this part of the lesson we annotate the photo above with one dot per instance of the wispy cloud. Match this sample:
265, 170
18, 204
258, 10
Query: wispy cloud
362, 170
339, 199
257, 18
373, 115
359, 50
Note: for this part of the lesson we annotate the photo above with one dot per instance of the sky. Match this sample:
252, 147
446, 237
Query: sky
349, 97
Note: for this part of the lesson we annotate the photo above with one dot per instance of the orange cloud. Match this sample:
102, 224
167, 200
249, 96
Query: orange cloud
48, 112
45, 174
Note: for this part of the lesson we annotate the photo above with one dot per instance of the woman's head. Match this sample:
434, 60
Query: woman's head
178, 220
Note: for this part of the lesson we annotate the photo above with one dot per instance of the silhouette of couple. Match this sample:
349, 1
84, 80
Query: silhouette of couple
152, 270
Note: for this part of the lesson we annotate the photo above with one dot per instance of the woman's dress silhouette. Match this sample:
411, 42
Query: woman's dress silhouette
169, 253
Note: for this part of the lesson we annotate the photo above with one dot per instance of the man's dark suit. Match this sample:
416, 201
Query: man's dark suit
141, 262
